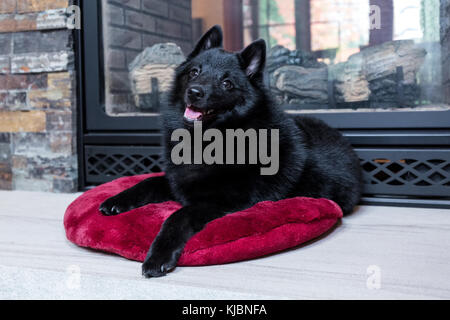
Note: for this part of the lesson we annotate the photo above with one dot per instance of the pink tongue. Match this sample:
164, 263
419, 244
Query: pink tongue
192, 115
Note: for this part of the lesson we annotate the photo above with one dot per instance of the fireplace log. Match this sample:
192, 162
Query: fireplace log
279, 56
372, 73
382, 61
302, 85
154, 65
351, 84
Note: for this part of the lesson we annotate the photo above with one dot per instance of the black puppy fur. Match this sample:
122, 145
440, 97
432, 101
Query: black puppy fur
315, 160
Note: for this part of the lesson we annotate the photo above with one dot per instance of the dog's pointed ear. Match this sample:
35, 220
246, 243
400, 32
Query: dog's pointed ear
254, 58
212, 39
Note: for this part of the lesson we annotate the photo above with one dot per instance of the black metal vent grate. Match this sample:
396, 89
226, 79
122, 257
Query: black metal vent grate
414, 173
103, 164
423, 172
408, 171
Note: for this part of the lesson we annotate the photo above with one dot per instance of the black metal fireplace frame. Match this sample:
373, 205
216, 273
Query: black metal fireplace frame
383, 134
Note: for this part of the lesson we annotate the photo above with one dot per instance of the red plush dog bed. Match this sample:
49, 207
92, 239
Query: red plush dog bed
266, 228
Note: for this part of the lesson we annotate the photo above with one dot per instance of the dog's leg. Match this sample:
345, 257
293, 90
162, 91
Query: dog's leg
152, 190
175, 233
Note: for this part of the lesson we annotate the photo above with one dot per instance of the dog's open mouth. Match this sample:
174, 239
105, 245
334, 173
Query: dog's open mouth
194, 114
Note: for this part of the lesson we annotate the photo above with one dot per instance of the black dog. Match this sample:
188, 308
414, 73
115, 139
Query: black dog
226, 91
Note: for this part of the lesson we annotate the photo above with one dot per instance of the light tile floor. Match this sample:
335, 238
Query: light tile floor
408, 249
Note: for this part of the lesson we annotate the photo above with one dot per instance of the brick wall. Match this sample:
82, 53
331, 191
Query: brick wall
37, 97
132, 26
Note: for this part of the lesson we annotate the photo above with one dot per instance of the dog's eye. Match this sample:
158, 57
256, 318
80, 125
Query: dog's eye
227, 84
194, 74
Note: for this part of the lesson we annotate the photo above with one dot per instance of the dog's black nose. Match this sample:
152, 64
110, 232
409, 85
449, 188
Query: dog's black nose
195, 93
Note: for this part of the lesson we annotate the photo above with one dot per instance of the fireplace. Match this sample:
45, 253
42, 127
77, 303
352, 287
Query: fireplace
377, 70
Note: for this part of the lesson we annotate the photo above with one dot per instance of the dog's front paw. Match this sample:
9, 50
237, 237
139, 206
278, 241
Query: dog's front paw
114, 206
159, 265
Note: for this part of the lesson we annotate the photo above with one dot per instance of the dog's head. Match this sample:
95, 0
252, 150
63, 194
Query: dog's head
213, 84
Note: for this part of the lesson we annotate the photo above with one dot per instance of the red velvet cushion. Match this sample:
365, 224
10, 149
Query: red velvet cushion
266, 228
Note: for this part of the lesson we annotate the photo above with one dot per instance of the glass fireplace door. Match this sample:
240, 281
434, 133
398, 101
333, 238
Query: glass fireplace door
354, 63
130, 53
